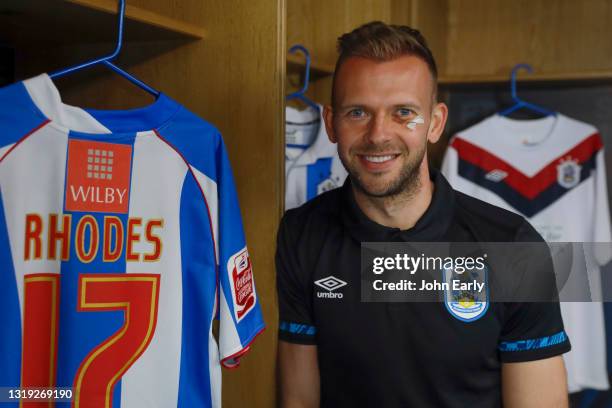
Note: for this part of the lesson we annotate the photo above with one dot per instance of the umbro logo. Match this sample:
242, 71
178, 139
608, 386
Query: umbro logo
496, 175
331, 283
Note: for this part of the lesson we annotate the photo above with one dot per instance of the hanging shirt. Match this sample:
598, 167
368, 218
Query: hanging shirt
312, 165
120, 242
552, 171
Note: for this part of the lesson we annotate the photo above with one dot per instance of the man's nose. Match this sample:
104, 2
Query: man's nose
380, 129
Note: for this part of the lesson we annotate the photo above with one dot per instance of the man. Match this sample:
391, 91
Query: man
337, 351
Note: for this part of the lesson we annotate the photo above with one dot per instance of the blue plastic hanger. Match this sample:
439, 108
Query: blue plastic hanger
301, 94
107, 59
519, 103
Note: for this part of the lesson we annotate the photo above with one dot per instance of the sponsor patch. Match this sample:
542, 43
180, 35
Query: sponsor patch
243, 288
98, 177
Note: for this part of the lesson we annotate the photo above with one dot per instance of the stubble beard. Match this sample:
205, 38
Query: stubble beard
406, 184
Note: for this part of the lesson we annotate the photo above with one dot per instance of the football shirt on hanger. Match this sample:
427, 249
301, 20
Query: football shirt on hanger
552, 171
312, 165
121, 241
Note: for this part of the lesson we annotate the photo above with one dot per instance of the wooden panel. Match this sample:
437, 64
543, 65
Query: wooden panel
318, 23
296, 63
234, 79
142, 15
569, 76
37, 59
431, 18
238, 76
190, 11
488, 37
402, 11
22, 23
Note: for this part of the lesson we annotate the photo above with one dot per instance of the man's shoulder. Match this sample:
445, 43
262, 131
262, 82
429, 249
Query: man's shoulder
308, 228
321, 210
491, 223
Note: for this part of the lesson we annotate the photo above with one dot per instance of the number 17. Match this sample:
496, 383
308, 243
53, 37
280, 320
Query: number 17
135, 294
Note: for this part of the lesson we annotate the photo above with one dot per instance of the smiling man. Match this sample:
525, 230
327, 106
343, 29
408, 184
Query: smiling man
337, 351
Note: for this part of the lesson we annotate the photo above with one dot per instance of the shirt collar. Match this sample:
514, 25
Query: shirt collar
430, 227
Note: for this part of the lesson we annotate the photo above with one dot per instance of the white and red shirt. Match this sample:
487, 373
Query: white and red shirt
552, 171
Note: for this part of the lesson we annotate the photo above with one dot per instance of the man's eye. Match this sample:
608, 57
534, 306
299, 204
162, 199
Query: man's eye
356, 113
405, 112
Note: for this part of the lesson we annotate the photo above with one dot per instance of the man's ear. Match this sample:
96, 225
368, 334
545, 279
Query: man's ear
438, 121
328, 117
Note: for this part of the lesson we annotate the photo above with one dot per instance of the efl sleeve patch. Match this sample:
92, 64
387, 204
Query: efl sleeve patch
240, 274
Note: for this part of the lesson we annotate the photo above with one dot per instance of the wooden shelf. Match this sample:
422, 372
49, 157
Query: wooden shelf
601, 75
319, 70
68, 22
295, 63
144, 16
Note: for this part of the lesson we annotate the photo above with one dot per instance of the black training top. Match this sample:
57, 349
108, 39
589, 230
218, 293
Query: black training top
403, 354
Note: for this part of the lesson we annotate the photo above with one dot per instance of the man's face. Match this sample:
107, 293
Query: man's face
374, 102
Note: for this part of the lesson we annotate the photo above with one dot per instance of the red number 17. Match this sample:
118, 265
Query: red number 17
135, 294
